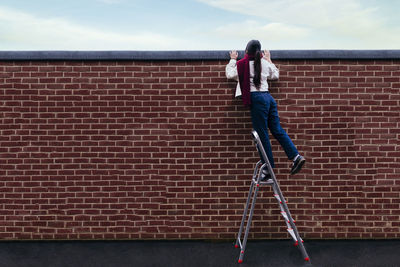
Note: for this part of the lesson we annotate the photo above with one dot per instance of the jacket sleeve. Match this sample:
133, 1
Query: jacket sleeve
271, 71
231, 70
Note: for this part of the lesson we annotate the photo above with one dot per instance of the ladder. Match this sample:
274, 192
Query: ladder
256, 183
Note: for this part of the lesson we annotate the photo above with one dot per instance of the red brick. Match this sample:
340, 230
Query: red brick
167, 142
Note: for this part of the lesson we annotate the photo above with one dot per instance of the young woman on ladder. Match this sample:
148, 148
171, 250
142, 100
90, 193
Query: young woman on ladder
252, 73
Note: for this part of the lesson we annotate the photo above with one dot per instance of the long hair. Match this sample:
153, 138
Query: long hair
253, 48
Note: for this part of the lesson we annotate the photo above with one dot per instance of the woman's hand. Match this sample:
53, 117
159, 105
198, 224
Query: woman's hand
233, 54
267, 55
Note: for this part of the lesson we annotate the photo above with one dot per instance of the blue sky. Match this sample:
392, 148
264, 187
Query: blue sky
198, 24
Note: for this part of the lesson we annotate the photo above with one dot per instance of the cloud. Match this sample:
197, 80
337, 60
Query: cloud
251, 29
346, 23
23, 31
308, 12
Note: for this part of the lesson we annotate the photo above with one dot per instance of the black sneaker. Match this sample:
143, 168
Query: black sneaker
265, 176
297, 164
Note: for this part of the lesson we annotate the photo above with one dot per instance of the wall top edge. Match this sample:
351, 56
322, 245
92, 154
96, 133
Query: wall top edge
190, 55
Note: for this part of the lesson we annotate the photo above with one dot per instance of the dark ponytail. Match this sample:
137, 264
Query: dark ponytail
257, 69
253, 48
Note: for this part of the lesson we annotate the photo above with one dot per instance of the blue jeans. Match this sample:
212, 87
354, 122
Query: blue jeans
264, 115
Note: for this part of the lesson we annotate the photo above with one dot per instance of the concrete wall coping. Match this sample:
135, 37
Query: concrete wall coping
190, 55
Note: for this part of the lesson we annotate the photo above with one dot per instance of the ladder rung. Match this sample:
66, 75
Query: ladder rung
240, 243
285, 215
278, 198
291, 232
269, 181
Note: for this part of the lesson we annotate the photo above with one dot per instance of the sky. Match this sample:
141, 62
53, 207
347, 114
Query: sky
198, 24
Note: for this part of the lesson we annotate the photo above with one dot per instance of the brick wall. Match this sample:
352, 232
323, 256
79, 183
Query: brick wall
162, 150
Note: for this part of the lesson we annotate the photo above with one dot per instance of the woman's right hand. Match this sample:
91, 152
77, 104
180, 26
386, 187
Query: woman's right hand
233, 54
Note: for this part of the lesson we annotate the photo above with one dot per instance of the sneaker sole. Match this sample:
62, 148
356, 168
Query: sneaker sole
299, 166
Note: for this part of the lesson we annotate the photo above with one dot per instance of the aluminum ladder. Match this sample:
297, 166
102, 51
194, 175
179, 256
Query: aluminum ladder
256, 183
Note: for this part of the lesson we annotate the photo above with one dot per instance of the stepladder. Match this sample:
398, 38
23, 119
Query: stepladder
264, 175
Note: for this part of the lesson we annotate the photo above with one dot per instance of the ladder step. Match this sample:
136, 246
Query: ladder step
269, 181
285, 216
291, 232
240, 243
278, 198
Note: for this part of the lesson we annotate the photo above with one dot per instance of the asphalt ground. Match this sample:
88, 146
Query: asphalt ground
343, 253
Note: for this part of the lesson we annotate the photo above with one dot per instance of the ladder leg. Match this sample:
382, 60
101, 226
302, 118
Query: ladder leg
248, 225
256, 168
296, 232
290, 221
237, 244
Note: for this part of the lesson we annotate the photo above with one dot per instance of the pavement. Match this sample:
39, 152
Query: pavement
324, 253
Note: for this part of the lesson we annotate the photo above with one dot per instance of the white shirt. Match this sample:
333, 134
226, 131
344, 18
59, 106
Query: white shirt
268, 71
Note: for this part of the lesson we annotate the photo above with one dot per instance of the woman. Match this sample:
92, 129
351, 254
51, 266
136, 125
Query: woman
252, 73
